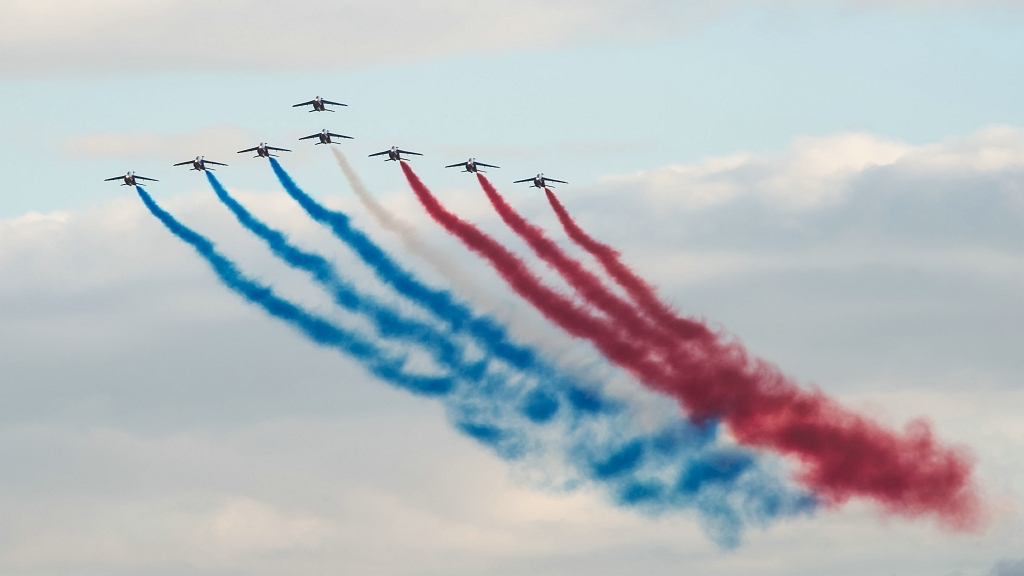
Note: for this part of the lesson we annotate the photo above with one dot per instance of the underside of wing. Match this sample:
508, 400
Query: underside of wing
248, 150
487, 165
214, 163
303, 104
335, 103
310, 136
455, 165
278, 149
412, 153
114, 178
183, 163
333, 135
380, 153
144, 178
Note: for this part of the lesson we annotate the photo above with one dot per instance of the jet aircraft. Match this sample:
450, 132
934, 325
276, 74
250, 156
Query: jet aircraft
395, 154
199, 163
319, 105
472, 165
263, 150
539, 181
325, 137
130, 179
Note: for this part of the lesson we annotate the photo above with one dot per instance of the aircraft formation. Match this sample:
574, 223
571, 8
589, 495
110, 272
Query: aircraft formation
631, 326
325, 136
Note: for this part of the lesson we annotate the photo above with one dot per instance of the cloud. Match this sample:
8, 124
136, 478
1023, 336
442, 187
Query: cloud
153, 423
828, 228
133, 36
813, 171
821, 171
160, 146
1009, 568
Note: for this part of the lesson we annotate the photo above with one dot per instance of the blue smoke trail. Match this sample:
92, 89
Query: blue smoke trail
440, 302
387, 321
541, 405
317, 329
679, 466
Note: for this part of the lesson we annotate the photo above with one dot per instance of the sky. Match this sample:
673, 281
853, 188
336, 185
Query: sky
837, 185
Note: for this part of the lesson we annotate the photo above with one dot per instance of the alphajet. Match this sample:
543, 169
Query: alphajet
263, 150
540, 181
395, 154
130, 179
325, 137
319, 105
472, 165
200, 163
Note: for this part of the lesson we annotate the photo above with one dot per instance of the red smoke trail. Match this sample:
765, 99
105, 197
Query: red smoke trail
842, 454
554, 306
639, 290
910, 474
586, 284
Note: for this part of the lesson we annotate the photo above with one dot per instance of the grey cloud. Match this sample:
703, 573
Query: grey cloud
162, 146
858, 242
1009, 568
131, 36
153, 423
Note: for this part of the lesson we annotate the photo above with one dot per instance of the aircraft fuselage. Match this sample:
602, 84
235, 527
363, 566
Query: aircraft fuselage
129, 179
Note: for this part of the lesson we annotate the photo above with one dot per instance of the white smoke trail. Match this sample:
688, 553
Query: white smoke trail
410, 238
564, 352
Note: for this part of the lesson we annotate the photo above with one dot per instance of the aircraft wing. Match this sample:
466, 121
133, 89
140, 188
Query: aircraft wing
278, 149
487, 165
183, 163
456, 165
335, 103
553, 180
215, 163
521, 181
310, 136
114, 178
413, 153
380, 153
144, 178
248, 150
339, 136
303, 104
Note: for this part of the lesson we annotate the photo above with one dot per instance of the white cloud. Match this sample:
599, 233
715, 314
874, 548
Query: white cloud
821, 171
